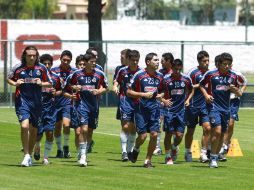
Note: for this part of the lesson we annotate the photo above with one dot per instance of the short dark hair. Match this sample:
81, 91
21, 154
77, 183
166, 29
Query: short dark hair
67, 53
45, 57
79, 58
133, 53
217, 60
201, 55
88, 56
91, 49
177, 62
225, 56
150, 56
168, 56
23, 56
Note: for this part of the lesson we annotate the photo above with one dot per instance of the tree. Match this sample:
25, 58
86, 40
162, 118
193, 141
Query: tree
27, 9
203, 11
11, 9
95, 29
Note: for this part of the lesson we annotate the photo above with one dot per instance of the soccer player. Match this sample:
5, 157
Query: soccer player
80, 64
166, 62
197, 112
91, 82
234, 108
47, 124
146, 88
177, 88
220, 82
124, 75
124, 63
63, 106
93, 51
29, 77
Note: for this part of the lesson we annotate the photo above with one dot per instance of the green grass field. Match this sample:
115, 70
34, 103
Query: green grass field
106, 171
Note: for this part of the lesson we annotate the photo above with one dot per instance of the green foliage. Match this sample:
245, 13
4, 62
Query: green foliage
27, 9
111, 11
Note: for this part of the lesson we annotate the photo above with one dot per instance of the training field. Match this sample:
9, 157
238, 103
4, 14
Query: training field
106, 171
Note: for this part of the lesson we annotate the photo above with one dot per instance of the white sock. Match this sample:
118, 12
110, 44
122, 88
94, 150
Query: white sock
47, 149
66, 139
158, 143
168, 155
82, 148
59, 142
131, 142
203, 151
123, 139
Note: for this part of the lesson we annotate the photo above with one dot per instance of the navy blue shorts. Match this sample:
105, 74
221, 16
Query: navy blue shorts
174, 122
234, 108
63, 112
147, 120
48, 119
196, 116
126, 109
87, 117
24, 111
219, 118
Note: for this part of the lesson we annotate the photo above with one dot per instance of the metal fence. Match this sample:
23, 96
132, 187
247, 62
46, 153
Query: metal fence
10, 52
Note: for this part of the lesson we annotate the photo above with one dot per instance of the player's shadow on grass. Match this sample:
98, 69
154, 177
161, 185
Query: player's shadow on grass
112, 153
206, 166
116, 160
19, 166
135, 166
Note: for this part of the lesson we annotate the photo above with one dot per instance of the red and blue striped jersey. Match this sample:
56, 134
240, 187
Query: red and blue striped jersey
177, 89
142, 81
88, 82
218, 86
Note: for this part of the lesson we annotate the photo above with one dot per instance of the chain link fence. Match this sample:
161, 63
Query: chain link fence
10, 52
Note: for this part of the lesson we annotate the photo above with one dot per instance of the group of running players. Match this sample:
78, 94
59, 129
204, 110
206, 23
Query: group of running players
47, 99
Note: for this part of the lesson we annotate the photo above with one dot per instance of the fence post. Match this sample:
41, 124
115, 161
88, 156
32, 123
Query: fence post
107, 71
182, 51
5, 68
10, 87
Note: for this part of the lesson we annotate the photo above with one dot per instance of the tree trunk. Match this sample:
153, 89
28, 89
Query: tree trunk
95, 29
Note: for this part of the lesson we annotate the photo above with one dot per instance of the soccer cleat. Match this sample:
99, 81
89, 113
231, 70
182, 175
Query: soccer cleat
203, 158
134, 156
90, 146
45, 161
222, 158
59, 154
174, 153
82, 161
66, 152
188, 156
148, 164
157, 152
37, 154
125, 157
30, 162
213, 163
169, 161
26, 161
